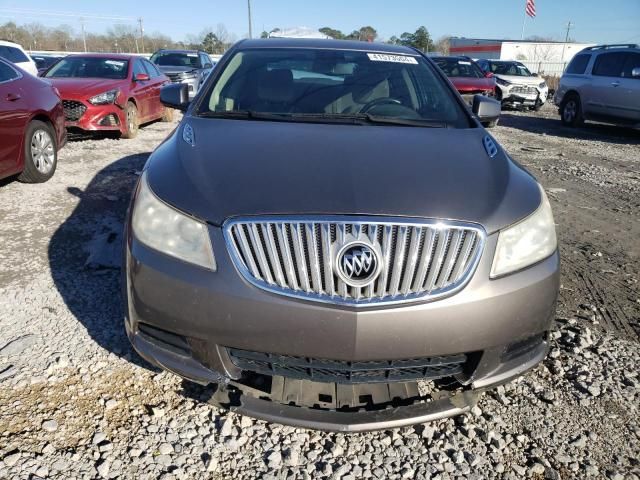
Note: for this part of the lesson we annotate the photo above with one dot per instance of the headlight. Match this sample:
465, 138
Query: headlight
542, 85
163, 228
527, 242
502, 82
105, 98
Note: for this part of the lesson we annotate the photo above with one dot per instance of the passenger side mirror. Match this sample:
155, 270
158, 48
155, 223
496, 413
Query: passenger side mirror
485, 108
175, 96
488, 74
141, 77
635, 72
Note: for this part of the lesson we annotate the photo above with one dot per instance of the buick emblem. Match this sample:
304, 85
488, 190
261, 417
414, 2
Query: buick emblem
358, 264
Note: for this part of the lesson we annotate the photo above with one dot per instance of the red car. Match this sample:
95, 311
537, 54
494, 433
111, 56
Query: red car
109, 92
469, 79
31, 125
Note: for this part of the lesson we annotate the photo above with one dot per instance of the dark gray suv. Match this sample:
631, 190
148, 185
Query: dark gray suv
189, 67
333, 240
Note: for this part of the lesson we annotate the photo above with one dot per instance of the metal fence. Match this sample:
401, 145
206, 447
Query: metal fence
551, 69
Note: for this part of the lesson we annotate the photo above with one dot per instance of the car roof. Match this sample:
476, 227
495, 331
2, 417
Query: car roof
10, 44
451, 57
173, 50
113, 56
313, 43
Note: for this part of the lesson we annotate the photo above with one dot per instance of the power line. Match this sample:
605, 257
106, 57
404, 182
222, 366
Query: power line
29, 11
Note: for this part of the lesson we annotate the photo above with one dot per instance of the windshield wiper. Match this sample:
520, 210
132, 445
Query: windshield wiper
355, 118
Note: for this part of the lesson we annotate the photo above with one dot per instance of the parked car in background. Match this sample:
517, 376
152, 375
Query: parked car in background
44, 62
601, 83
109, 92
516, 86
16, 54
319, 245
31, 125
190, 67
469, 80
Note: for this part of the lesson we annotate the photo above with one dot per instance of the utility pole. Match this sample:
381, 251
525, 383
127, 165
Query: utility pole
249, 11
141, 34
84, 36
566, 39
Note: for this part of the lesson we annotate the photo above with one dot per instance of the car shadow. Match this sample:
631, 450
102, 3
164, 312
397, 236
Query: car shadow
85, 255
554, 127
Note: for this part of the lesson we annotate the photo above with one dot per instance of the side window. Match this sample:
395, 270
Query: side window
204, 59
579, 64
7, 73
633, 61
609, 64
483, 65
151, 69
12, 54
138, 68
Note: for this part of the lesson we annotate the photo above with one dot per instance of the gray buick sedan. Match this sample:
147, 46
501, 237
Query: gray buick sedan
332, 239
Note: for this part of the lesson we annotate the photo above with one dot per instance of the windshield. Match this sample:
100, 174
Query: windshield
176, 59
326, 85
453, 67
510, 68
89, 67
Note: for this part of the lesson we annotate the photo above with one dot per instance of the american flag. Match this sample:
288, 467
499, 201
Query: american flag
530, 8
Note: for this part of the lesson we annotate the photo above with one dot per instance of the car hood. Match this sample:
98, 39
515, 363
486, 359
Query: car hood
83, 87
521, 80
464, 84
240, 167
175, 69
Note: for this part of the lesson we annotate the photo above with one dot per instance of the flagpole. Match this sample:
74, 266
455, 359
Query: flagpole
524, 19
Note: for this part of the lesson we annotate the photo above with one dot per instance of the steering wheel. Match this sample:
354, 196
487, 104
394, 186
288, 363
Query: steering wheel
379, 101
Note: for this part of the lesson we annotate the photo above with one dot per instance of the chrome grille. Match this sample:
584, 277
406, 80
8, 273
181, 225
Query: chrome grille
297, 257
175, 77
73, 110
524, 90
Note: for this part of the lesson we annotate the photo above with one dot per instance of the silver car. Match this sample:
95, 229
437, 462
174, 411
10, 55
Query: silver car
601, 83
190, 67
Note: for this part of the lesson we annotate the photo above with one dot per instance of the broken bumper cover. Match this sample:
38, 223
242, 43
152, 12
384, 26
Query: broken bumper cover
284, 401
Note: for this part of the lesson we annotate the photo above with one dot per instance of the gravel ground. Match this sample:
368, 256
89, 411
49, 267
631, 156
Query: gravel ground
77, 402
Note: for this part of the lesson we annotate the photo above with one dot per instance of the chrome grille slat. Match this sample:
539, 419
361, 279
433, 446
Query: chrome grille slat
256, 242
298, 250
272, 252
418, 259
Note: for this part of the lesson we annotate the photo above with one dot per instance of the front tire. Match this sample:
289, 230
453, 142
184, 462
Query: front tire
571, 111
40, 153
132, 121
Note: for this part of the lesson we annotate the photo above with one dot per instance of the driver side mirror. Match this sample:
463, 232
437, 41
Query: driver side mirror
485, 108
141, 77
175, 95
488, 74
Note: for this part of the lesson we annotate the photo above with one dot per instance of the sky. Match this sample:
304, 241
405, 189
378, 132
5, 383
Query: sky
598, 21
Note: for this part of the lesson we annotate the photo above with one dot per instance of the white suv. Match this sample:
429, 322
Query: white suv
516, 86
601, 83
16, 55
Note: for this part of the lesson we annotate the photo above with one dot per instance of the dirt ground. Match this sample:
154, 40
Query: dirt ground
77, 402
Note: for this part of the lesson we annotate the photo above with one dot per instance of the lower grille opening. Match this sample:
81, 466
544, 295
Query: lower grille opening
165, 339
344, 372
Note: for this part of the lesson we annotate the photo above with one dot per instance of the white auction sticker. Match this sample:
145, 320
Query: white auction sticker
385, 57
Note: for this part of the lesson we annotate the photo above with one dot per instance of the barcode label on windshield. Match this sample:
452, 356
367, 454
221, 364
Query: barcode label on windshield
384, 57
